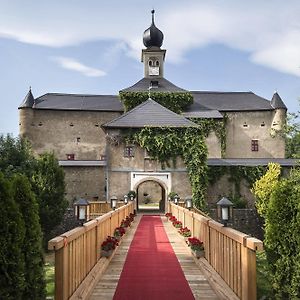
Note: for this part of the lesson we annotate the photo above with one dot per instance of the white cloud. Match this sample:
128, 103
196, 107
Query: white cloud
74, 65
268, 30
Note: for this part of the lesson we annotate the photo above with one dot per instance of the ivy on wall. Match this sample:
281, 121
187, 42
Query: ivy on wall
165, 144
235, 175
217, 126
175, 101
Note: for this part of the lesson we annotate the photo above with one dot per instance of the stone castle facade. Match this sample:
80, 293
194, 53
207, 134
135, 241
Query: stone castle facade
80, 130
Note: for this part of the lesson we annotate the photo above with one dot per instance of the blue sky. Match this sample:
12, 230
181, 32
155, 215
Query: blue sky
94, 47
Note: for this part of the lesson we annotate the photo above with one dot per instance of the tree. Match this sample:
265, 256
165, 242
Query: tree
293, 135
49, 186
32, 244
45, 175
16, 156
281, 210
12, 234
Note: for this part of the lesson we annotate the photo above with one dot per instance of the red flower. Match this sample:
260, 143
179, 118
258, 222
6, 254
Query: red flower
195, 244
109, 244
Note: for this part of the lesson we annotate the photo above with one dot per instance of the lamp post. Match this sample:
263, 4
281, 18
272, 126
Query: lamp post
126, 199
224, 210
176, 199
189, 202
81, 207
113, 202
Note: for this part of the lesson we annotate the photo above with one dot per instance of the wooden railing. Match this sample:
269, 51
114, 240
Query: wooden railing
232, 254
99, 208
78, 250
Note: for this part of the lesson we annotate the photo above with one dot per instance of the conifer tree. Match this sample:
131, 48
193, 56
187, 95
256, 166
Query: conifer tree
12, 234
32, 244
49, 187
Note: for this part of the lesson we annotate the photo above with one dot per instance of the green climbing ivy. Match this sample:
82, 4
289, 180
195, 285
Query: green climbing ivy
165, 144
175, 101
218, 126
236, 173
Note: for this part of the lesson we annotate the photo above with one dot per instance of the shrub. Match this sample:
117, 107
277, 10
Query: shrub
12, 233
32, 244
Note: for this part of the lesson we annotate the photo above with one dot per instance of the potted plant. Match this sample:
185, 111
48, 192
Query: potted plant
185, 232
168, 215
119, 232
108, 246
177, 224
172, 195
131, 195
197, 247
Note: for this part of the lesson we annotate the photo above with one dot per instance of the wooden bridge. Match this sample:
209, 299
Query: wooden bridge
228, 270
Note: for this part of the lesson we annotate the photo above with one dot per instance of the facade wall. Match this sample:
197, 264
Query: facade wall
85, 182
243, 127
66, 132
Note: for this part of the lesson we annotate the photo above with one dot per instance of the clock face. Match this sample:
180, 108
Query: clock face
153, 71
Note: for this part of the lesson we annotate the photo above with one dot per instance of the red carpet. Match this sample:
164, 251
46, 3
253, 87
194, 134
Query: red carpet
151, 270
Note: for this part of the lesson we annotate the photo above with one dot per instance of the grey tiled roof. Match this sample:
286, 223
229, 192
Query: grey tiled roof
149, 113
229, 101
203, 114
28, 100
277, 102
164, 85
78, 102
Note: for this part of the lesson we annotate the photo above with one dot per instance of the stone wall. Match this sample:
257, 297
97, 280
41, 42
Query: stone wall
242, 127
246, 221
66, 132
85, 182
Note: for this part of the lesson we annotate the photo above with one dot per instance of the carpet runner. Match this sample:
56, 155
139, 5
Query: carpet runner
151, 270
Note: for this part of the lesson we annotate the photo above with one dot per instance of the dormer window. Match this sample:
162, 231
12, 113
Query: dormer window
154, 84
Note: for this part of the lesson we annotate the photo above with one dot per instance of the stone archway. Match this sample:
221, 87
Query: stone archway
150, 196
161, 179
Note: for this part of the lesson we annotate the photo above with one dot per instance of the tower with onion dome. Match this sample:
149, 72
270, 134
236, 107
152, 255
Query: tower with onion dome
153, 56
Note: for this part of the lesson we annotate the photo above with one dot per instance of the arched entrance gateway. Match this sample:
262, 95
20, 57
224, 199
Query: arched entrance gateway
151, 189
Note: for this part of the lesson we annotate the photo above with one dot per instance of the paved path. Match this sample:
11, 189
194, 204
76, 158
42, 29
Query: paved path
200, 287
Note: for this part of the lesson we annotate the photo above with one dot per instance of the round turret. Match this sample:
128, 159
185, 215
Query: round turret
153, 37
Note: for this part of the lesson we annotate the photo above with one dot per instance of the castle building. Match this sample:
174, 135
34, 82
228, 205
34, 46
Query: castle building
83, 131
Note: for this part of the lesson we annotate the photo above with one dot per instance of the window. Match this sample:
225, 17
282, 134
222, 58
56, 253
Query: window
157, 63
262, 124
78, 140
129, 151
150, 63
154, 84
254, 145
245, 125
70, 156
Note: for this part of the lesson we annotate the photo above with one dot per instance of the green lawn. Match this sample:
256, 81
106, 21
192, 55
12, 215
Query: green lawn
263, 282
49, 271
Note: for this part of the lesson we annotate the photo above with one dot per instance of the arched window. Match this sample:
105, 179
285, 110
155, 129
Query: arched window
150, 63
157, 63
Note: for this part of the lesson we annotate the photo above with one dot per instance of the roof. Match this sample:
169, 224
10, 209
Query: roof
251, 162
228, 101
149, 114
277, 102
205, 114
143, 85
78, 102
28, 100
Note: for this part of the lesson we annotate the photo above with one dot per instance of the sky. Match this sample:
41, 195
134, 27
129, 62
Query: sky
94, 47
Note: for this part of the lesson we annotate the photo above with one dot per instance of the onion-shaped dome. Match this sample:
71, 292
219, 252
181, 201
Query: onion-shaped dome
153, 37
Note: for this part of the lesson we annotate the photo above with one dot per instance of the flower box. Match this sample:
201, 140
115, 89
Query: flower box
198, 253
106, 253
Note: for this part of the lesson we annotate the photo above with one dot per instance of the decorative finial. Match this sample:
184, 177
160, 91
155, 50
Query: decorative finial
152, 12
30, 88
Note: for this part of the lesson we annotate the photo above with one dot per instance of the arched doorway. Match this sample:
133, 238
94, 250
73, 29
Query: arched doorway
150, 196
